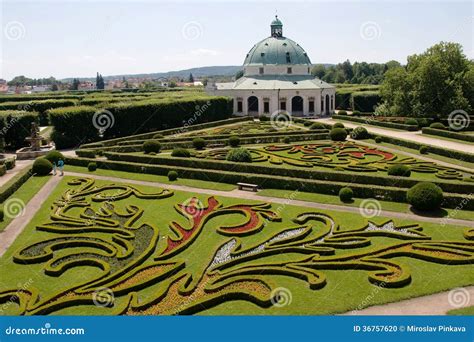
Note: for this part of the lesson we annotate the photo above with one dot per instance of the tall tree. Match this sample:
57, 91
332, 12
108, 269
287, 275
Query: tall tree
191, 78
99, 82
75, 84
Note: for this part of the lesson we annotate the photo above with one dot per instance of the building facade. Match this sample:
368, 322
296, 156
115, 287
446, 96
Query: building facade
277, 78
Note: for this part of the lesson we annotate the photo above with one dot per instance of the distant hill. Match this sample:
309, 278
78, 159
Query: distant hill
227, 70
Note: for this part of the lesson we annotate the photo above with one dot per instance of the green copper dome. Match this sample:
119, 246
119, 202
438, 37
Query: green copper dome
276, 49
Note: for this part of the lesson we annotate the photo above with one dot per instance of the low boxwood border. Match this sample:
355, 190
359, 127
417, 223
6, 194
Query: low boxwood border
394, 125
447, 134
14, 184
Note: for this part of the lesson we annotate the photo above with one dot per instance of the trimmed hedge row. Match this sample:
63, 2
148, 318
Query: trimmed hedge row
15, 126
448, 134
144, 136
227, 136
463, 156
138, 147
329, 175
14, 184
395, 194
73, 126
377, 123
365, 101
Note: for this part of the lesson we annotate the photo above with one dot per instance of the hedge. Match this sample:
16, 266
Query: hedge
111, 142
365, 101
135, 117
395, 194
463, 156
325, 175
15, 126
14, 184
377, 123
448, 134
40, 106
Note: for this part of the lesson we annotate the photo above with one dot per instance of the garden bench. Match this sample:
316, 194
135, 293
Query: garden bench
253, 187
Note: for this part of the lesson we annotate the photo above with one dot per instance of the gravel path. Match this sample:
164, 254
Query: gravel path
412, 136
435, 304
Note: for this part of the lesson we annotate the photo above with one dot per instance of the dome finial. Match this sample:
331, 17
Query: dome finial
276, 27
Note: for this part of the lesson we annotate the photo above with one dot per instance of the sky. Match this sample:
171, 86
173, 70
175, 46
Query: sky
79, 38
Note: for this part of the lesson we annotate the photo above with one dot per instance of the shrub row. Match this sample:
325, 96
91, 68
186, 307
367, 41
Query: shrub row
377, 123
73, 126
395, 194
326, 175
365, 101
14, 184
166, 132
448, 134
40, 106
463, 156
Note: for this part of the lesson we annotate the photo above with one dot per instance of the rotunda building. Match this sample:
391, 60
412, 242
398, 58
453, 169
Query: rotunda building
277, 78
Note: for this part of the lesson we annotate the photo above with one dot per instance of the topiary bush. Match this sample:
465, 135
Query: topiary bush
317, 125
54, 156
338, 134
378, 140
342, 112
234, 141
240, 155
286, 140
425, 196
199, 143
356, 113
42, 167
172, 176
92, 166
437, 125
151, 146
360, 133
3, 169
346, 194
180, 152
411, 121
423, 149
338, 125
158, 136
399, 170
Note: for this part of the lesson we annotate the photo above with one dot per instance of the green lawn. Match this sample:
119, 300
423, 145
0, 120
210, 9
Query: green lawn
154, 178
174, 291
385, 205
467, 311
22, 196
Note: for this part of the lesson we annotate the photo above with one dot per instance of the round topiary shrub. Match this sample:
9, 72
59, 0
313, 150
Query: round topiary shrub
423, 149
338, 125
317, 125
2, 215
151, 146
42, 167
286, 140
199, 143
411, 121
425, 196
356, 113
234, 141
342, 112
360, 133
399, 170
346, 194
158, 136
378, 140
54, 156
180, 152
172, 176
437, 125
240, 155
338, 134
92, 166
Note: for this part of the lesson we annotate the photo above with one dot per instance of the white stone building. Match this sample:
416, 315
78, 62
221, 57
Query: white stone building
277, 78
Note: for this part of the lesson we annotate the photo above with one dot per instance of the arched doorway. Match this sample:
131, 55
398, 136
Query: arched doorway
327, 105
252, 103
297, 105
